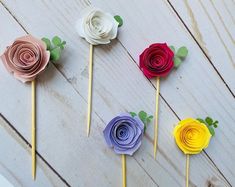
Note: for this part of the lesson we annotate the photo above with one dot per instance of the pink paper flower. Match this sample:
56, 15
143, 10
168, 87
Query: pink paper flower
26, 58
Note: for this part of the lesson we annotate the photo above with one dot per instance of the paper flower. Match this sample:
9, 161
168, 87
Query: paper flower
26, 58
124, 133
97, 27
192, 136
156, 60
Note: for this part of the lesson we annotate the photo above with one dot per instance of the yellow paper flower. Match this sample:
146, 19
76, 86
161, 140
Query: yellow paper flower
191, 136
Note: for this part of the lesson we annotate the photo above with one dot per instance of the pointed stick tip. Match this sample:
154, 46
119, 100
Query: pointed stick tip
33, 176
88, 133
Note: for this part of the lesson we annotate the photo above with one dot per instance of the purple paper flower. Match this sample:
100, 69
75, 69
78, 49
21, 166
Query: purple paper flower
124, 133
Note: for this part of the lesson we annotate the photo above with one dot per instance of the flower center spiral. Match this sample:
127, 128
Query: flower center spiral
122, 132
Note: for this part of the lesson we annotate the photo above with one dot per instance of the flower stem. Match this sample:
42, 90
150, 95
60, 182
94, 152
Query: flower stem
90, 89
156, 117
187, 170
33, 130
123, 170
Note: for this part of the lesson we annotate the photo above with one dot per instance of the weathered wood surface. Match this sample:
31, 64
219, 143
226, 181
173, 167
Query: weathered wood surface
197, 88
212, 23
14, 161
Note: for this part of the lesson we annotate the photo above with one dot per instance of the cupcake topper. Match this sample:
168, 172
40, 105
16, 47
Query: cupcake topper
25, 59
192, 136
124, 134
157, 61
97, 27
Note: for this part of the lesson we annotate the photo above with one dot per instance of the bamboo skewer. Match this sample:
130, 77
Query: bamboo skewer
33, 129
187, 170
123, 170
156, 116
90, 89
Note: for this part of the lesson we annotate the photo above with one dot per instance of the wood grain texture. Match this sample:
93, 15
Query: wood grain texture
118, 86
15, 161
61, 127
195, 88
212, 24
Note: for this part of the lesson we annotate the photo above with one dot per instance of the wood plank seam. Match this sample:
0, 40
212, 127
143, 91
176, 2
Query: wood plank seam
75, 91
165, 101
83, 98
37, 153
217, 168
146, 172
203, 51
13, 16
219, 36
150, 81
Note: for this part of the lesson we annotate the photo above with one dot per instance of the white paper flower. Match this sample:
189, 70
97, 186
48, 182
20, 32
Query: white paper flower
97, 27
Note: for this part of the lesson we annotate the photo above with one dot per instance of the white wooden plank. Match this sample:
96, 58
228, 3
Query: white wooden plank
15, 161
212, 24
225, 18
113, 99
194, 89
60, 119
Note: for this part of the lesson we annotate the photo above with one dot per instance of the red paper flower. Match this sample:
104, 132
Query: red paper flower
157, 60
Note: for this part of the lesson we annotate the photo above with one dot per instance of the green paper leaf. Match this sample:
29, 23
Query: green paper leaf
149, 119
62, 45
211, 129
172, 48
215, 125
56, 40
47, 42
200, 120
55, 54
133, 114
216, 122
209, 120
145, 127
210, 124
177, 62
182, 52
119, 20
142, 115
55, 46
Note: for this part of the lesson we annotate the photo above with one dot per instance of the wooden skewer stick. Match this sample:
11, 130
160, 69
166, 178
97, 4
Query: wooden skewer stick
187, 170
123, 170
90, 89
156, 116
33, 129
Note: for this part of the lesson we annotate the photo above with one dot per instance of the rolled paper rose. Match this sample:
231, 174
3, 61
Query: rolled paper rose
192, 136
97, 27
26, 58
156, 60
124, 134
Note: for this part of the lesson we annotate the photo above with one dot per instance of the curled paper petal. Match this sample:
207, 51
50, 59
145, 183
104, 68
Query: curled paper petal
124, 134
192, 136
26, 58
97, 27
156, 60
